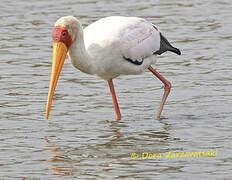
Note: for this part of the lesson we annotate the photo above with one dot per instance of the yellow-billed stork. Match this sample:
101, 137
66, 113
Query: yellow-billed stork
109, 47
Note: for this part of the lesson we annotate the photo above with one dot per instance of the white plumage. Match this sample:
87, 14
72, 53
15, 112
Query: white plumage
133, 37
107, 41
108, 48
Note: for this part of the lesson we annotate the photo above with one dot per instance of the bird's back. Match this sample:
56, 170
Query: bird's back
108, 27
135, 38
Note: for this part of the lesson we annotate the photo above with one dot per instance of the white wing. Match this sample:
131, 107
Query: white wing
135, 37
139, 41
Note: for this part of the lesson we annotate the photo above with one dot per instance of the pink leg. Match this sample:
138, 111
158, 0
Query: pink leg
167, 88
114, 98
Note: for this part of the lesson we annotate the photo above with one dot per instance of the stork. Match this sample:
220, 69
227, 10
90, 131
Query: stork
108, 48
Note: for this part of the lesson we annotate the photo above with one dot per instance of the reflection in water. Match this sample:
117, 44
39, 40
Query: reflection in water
60, 163
91, 145
115, 129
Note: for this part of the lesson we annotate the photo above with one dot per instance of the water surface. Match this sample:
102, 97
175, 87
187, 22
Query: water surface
82, 139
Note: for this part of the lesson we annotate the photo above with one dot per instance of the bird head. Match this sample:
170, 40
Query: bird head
64, 34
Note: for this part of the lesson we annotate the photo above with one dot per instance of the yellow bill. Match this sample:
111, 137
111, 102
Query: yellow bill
59, 54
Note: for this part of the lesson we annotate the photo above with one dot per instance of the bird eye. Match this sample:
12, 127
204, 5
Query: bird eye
64, 34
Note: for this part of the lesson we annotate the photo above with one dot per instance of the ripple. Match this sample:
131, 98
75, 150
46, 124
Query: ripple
82, 139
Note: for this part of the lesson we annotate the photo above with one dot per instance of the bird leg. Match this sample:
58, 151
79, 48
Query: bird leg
114, 98
167, 88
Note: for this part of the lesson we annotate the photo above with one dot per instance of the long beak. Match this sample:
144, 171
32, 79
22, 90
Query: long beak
59, 54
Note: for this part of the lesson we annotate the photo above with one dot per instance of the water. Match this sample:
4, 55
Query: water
82, 139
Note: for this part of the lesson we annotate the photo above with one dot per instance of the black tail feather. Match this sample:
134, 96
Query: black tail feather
166, 46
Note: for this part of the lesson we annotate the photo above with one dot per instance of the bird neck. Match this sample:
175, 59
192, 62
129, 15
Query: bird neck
79, 56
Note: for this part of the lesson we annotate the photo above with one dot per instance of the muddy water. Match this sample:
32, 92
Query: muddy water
82, 139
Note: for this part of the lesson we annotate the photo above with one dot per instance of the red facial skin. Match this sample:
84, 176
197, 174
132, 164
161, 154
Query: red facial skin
60, 34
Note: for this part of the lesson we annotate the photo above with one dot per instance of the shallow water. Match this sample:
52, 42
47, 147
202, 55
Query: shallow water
82, 139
